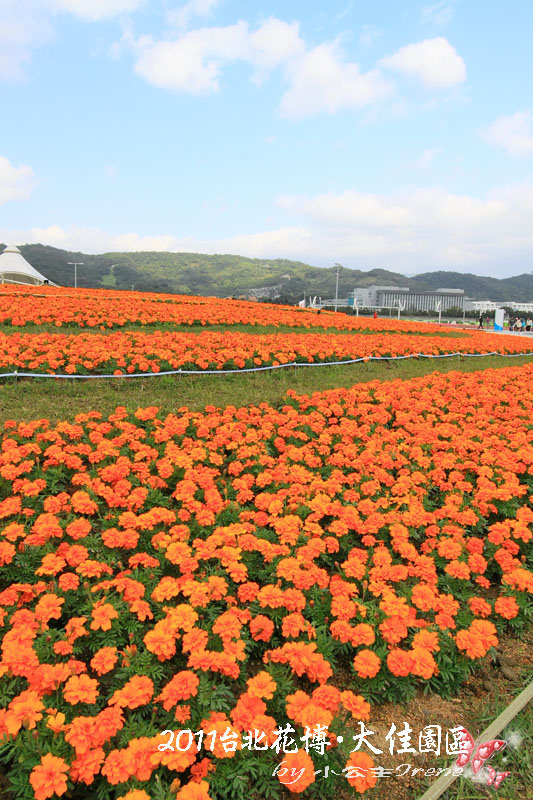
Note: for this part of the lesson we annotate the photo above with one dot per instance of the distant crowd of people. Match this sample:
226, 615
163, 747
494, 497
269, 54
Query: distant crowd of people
520, 324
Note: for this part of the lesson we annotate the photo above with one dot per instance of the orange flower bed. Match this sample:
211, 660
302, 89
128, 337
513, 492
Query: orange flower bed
217, 573
104, 309
125, 352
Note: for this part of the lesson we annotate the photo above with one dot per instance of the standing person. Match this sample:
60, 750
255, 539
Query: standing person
480, 321
375, 314
528, 324
523, 324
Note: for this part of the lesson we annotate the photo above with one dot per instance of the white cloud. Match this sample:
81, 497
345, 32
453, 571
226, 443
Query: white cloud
513, 133
193, 62
425, 162
24, 26
53, 235
434, 62
180, 17
274, 43
321, 81
415, 231
16, 183
439, 14
94, 10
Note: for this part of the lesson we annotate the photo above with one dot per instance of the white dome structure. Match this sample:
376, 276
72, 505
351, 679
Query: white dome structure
15, 269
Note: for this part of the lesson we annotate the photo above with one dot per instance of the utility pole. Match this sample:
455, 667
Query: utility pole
75, 264
337, 287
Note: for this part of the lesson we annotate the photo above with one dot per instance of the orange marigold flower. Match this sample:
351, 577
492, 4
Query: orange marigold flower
262, 685
360, 773
399, 662
423, 663
102, 615
261, 628
82, 503
86, 765
49, 777
182, 686
194, 790
135, 692
119, 766
356, 705
506, 607
477, 639
367, 664
135, 794
480, 607
427, 639
104, 660
296, 772
25, 709
80, 689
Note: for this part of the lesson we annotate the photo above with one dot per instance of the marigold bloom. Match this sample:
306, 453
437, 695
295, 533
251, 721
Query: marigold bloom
400, 662
104, 660
49, 777
356, 705
262, 685
506, 607
261, 628
360, 774
367, 664
194, 790
296, 772
102, 616
182, 686
135, 692
80, 689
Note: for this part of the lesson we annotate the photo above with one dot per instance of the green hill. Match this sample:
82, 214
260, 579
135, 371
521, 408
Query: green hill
518, 288
233, 275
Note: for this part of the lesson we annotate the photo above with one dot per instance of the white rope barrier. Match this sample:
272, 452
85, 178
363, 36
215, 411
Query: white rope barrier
17, 374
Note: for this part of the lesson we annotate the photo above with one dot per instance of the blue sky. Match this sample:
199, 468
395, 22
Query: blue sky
377, 134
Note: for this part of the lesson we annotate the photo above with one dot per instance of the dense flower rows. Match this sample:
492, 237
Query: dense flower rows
102, 308
138, 351
249, 568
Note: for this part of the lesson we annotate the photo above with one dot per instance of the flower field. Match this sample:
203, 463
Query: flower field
247, 571
105, 309
125, 352
309, 338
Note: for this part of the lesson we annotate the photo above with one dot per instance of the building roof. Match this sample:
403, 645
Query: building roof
15, 269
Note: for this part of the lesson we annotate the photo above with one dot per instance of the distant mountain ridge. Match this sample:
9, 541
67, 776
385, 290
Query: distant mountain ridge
228, 275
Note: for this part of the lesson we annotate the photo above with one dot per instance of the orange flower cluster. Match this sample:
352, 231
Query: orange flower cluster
105, 308
215, 570
124, 352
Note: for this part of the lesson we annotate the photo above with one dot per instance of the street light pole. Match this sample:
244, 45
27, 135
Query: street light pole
337, 287
75, 264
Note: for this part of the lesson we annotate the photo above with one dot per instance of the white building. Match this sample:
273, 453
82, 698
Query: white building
407, 299
16, 270
483, 306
